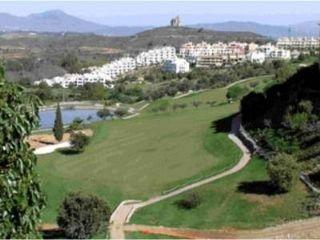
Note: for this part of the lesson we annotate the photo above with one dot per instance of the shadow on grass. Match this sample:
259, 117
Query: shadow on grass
223, 125
258, 187
53, 234
68, 151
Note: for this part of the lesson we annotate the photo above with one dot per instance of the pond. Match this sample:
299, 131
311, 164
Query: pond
68, 115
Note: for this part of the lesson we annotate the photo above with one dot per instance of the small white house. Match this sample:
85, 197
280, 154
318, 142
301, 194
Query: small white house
177, 65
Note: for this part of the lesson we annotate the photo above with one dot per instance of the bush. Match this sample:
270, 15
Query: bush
79, 141
76, 125
103, 113
120, 112
196, 103
191, 201
82, 216
160, 105
282, 171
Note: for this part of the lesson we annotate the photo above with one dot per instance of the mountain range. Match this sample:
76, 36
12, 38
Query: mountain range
58, 21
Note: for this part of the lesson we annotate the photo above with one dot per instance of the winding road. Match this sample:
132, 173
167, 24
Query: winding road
126, 209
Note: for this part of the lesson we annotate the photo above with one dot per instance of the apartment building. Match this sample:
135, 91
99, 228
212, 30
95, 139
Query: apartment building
109, 72
298, 43
216, 54
155, 56
177, 65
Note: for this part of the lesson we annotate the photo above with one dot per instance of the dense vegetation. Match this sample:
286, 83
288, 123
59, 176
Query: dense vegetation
21, 199
286, 117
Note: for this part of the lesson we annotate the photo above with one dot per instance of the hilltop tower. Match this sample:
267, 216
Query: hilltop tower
175, 22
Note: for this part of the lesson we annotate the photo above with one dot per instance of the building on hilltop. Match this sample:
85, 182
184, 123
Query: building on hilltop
175, 22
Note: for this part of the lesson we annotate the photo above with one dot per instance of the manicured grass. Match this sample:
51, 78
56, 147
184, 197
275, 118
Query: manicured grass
223, 205
141, 157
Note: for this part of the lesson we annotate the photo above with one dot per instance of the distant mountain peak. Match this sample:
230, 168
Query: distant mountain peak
50, 13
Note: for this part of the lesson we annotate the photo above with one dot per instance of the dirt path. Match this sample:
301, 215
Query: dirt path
244, 80
302, 229
126, 209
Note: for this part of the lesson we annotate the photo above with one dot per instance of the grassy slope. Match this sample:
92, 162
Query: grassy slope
224, 206
141, 157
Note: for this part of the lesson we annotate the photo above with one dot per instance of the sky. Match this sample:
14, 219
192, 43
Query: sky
157, 13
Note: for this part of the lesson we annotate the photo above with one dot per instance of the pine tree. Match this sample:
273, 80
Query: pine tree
58, 125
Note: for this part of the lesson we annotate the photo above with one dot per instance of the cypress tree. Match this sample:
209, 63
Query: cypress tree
58, 125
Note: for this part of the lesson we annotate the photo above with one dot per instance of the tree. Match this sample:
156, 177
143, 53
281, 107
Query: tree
79, 141
282, 171
81, 216
21, 199
58, 125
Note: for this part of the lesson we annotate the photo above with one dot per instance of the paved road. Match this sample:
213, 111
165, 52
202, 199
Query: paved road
126, 209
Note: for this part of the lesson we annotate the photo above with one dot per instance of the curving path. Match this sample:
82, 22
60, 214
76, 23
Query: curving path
126, 209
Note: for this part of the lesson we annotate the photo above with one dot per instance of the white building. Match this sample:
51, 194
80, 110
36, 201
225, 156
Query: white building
177, 65
109, 72
298, 43
256, 57
156, 56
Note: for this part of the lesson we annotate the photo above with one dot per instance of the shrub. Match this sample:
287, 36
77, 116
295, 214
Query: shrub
103, 113
58, 125
160, 105
120, 112
81, 216
282, 171
196, 103
192, 200
79, 141
76, 125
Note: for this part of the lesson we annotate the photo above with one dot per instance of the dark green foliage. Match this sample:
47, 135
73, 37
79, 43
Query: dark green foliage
76, 125
286, 117
92, 91
70, 63
79, 141
104, 113
192, 200
282, 171
21, 199
82, 216
58, 125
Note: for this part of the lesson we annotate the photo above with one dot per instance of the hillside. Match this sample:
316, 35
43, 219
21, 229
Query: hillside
178, 35
31, 55
286, 117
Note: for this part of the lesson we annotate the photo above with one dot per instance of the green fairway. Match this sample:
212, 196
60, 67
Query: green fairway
224, 206
143, 156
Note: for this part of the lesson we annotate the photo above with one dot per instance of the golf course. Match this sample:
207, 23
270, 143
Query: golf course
144, 156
